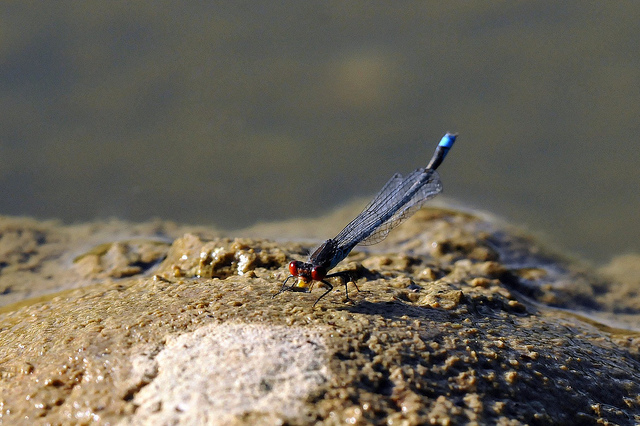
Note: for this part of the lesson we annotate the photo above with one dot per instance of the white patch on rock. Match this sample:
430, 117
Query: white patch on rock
218, 372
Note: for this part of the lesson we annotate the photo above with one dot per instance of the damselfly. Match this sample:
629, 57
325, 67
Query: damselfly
401, 197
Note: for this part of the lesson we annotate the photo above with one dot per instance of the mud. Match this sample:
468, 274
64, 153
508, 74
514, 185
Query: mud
457, 320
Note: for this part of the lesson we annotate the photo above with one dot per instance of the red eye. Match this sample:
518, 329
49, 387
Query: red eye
293, 267
318, 273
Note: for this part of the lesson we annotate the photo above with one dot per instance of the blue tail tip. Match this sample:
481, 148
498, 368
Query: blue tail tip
448, 140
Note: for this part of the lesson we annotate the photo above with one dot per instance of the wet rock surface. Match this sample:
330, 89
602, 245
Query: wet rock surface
457, 320
39, 258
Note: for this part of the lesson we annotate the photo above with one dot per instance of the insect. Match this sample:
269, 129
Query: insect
398, 199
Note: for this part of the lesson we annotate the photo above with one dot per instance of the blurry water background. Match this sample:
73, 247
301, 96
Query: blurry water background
232, 113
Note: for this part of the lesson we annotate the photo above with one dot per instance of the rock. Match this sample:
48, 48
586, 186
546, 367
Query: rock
457, 321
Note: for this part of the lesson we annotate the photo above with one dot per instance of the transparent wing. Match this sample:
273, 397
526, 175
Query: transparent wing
424, 194
396, 202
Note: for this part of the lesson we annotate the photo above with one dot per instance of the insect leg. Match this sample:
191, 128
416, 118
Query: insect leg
284, 286
325, 293
346, 277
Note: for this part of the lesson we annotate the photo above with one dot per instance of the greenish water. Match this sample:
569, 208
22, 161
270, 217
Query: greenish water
229, 113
